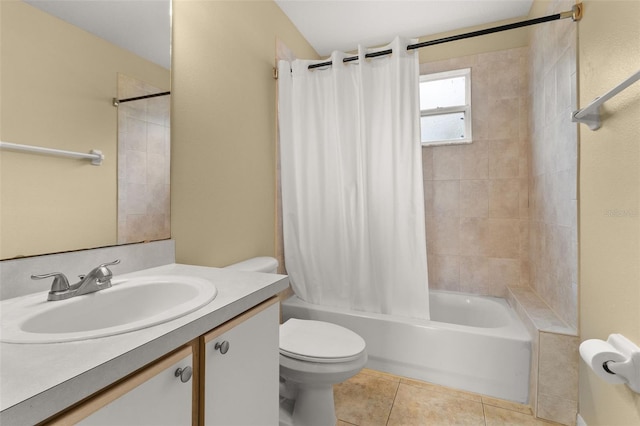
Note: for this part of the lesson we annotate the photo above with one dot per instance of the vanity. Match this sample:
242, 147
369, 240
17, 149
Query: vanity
199, 368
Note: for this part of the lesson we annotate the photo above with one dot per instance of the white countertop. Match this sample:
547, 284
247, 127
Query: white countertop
39, 380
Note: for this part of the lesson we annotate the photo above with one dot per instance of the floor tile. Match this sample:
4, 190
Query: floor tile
443, 389
376, 398
423, 406
380, 374
513, 406
365, 399
496, 416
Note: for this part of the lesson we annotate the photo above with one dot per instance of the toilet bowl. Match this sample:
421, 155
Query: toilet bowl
314, 355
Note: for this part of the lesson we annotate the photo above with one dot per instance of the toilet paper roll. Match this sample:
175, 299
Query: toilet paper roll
595, 353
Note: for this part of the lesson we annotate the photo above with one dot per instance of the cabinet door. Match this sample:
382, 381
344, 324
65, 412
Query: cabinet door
241, 385
153, 396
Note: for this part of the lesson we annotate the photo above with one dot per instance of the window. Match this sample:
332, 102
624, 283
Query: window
445, 107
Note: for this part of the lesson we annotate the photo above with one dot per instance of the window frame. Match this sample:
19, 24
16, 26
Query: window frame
465, 109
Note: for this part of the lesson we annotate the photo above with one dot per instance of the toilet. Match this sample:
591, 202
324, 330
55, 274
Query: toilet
314, 355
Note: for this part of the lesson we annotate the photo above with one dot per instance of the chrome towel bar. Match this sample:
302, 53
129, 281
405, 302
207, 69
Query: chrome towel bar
94, 155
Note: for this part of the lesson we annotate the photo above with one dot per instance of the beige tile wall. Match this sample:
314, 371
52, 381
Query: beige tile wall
553, 173
558, 358
553, 392
553, 214
143, 163
476, 195
502, 210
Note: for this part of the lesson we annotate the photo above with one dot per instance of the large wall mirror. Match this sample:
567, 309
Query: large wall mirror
62, 64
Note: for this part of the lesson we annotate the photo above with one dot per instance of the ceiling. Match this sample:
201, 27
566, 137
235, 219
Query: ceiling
344, 24
141, 26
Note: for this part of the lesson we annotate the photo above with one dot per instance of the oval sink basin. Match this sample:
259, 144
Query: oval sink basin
130, 304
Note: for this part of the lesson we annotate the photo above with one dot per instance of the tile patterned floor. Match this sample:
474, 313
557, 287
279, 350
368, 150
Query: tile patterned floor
373, 398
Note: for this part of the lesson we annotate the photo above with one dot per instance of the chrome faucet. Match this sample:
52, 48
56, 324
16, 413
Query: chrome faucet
97, 279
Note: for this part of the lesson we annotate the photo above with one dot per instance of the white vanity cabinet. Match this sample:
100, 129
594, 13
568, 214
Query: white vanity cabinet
233, 381
156, 395
240, 369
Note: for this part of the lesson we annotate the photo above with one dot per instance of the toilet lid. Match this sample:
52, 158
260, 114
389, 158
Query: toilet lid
319, 341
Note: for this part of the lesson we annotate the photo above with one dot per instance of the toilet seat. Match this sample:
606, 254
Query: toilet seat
319, 341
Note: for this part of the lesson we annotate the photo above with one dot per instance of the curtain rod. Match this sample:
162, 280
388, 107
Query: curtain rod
575, 13
117, 101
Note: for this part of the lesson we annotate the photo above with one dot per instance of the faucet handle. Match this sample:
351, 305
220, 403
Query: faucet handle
104, 274
60, 282
115, 262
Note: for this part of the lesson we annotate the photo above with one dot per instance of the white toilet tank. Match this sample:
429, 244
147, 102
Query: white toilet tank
257, 264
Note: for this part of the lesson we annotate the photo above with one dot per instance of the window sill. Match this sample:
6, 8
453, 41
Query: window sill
447, 143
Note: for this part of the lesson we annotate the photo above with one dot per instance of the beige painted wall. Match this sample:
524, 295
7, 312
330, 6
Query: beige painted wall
223, 128
609, 52
57, 85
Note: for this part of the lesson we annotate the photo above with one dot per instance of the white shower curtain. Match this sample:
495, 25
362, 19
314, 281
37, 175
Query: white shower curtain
352, 191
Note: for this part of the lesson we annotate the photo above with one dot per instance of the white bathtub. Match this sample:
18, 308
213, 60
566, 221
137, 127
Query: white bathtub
472, 343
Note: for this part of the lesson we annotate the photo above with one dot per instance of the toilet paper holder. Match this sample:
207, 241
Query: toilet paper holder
629, 369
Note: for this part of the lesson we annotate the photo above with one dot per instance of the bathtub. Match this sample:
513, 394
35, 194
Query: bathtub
473, 343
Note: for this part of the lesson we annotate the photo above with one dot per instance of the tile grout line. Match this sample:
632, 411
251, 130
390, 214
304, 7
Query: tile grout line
484, 414
393, 402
